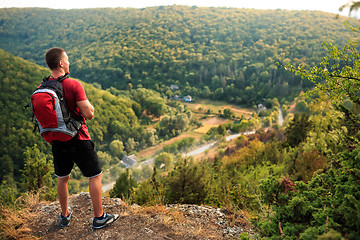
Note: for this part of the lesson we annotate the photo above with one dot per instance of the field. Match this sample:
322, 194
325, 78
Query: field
208, 121
150, 152
201, 106
207, 112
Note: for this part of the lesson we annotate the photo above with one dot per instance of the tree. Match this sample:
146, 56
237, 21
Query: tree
228, 113
330, 200
187, 183
221, 129
106, 159
164, 161
181, 122
137, 109
150, 137
7, 194
116, 147
124, 185
297, 130
301, 106
150, 101
352, 5
149, 191
337, 74
130, 145
37, 172
206, 92
6, 168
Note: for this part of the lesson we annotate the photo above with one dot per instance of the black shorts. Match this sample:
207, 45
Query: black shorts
80, 152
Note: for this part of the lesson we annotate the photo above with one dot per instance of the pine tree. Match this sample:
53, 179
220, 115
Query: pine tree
149, 191
124, 185
187, 183
298, 129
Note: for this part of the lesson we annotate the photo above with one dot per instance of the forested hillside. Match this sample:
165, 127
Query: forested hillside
221, 53
18, 80
297, 182
118, 128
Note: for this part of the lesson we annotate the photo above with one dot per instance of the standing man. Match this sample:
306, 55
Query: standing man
80, 149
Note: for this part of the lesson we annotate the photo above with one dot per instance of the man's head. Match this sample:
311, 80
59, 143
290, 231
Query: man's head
57, 59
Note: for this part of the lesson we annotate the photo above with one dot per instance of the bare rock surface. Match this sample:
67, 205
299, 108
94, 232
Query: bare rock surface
168, 222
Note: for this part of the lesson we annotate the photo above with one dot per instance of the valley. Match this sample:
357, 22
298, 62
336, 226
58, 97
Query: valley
254, 113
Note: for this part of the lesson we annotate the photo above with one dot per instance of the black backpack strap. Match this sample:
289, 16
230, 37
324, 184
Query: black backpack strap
61, 78
46, 79
36, 125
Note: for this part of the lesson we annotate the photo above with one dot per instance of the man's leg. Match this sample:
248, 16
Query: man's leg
63, 194
95, 190
95, 193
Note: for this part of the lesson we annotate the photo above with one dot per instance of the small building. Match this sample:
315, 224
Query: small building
261, 107
129, 161
187, 98
174, 87
176, 97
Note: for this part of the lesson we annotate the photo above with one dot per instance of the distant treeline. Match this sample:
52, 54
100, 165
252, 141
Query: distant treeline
219, 53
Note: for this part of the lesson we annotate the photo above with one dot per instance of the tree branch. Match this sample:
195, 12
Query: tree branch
281, 231
350, 78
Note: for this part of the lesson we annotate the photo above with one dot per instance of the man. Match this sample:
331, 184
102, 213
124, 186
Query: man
80, 149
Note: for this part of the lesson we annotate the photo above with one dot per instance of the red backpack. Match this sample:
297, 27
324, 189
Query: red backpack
51, 112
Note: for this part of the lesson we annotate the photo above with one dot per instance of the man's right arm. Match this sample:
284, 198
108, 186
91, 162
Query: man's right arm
86, 109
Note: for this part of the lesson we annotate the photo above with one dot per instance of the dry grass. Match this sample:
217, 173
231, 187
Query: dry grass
202, 105
204, 129
29, 199
13, 224
198, 231
14, 220
209, 123
236, 215
173, 216
165, 215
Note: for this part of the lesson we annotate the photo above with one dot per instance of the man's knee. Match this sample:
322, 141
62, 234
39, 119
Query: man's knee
96, 177
95, 181
63, 180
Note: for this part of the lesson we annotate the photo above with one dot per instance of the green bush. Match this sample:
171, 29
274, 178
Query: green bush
124, 185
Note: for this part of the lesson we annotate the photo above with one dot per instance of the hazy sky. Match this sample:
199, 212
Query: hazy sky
321, 5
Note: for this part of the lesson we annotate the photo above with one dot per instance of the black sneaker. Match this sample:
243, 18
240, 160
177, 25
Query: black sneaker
65, 220
108, 219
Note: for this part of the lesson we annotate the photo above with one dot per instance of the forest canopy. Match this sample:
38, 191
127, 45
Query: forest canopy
298, 181
219, 53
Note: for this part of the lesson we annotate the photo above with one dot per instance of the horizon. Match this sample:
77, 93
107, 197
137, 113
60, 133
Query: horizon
320, 5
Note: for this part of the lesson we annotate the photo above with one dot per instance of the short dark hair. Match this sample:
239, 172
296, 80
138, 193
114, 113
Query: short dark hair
53, 57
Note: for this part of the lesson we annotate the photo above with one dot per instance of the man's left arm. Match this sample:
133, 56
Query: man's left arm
86, 109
